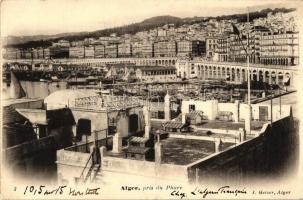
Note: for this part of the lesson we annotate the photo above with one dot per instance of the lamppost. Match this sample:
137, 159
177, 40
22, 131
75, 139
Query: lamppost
237, 32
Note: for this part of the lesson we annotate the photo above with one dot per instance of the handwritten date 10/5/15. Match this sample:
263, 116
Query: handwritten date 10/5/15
42, 190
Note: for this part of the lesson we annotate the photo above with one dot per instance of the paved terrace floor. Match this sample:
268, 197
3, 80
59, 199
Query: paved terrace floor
185, 151
226, 125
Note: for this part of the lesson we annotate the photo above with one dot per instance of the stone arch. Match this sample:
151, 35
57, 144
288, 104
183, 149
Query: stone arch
227, 74
232, 75
261, 76
214, 72
273, 77
238, 74
223, 73
219, 72
254, 75
280, 78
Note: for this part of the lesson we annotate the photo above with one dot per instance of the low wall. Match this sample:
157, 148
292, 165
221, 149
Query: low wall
144, 168
34, 160
234, 139
70, 164
264, 155
84, 148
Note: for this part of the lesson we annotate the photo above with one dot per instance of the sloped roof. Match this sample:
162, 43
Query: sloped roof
35, 116
138, 139
172, 124
194, 114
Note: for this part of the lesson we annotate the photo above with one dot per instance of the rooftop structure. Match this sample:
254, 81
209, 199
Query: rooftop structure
202, 132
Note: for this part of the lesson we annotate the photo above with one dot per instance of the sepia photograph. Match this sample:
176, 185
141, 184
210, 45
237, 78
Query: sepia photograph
153, 99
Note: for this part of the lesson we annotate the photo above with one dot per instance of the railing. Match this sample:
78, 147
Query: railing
83, 147
107, 102
87, 101
84, 179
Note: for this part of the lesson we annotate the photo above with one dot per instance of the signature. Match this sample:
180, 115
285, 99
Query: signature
204, 192
222, 190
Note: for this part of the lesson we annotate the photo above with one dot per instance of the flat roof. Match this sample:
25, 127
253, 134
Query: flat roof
8, 102
185, 151
218, 124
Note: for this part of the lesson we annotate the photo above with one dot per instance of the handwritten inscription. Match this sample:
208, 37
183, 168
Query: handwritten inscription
60, 190
174, 191
222, 190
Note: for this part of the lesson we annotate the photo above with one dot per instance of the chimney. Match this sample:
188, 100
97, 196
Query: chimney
158, 151
237, 107
248, 119
183, 118
146, 131
242, 135
103, 152
167, 107
117, 143
218, 144
147, 121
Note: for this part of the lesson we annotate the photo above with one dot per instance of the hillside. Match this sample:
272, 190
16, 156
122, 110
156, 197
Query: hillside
151, 23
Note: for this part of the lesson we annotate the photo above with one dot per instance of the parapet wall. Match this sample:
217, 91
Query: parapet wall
265, 155
144, 168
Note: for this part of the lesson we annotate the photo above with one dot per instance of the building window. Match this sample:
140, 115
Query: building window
192, 107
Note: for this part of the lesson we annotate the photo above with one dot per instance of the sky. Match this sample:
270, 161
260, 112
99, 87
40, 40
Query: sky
35, 17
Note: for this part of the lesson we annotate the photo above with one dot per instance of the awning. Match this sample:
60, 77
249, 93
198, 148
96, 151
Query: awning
138, 139
177, 125
35, 116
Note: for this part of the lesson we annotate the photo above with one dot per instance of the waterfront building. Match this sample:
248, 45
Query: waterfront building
99, 51
147, 50
211, 46
156, 74
188, 48
40, 53
280, 48
237, 48
76, 52
89, 51
59, 52
27, 54
223, 48
165, 49
46, 53
124, 50
11, 53
236, 72
137, 49
35, 53
111, 50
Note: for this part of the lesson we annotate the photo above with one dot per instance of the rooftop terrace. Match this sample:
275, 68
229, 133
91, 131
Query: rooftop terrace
185, 151
226, 125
